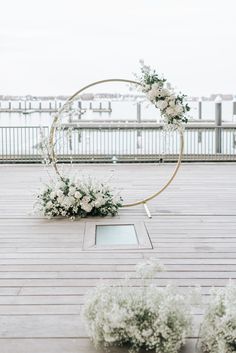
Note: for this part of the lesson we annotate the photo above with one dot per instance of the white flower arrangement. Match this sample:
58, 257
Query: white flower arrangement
218, 331
149, 317
172, 106
69, 198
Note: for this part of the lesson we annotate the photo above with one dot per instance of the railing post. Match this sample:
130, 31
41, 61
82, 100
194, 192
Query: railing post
200, 118
234, 109
80, 109
218, 123
200, 109
139, 112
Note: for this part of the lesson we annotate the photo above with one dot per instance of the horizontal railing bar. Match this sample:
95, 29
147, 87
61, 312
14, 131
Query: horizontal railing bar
108, 125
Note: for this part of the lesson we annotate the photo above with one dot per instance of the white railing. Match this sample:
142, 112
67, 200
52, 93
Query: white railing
120, 143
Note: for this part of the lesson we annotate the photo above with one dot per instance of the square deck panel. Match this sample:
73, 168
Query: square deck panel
109, 235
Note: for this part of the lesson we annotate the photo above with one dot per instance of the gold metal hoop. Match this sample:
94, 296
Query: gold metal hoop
53, 154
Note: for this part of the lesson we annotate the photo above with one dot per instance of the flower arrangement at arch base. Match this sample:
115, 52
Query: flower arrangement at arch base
146, 317
69, 198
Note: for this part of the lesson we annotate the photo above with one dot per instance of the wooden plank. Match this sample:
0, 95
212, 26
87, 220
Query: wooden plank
45, 274
64, 345
46, 326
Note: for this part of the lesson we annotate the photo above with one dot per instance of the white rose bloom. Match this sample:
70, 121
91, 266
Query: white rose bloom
86, 199
98, 195
59, 193
151, 95
53, 195
72, 190
87, 207
71, 200
161, 104
165, 92
49, 204
156, 86
172, 103
77, 195
170, 111
99, 202
67, 202
178, 109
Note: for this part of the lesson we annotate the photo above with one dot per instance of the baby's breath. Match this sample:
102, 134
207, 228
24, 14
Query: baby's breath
145, 317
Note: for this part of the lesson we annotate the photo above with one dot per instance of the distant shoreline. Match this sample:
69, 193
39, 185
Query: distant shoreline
108, 96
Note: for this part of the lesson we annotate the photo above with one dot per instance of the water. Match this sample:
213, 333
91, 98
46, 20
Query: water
121, 111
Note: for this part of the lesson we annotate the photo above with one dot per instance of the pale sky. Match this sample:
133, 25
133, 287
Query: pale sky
55, 47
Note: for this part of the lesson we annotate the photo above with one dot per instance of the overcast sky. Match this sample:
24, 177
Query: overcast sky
55, 47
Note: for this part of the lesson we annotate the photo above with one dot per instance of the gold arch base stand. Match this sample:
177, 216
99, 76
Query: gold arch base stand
53, 156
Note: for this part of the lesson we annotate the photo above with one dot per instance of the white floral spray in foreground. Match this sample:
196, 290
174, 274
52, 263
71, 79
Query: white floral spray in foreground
218, 331
145, 317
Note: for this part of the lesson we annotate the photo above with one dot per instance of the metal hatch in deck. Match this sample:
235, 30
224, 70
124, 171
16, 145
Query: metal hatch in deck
108, 235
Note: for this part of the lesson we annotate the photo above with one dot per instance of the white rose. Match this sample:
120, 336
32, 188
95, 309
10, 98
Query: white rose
156, 86
165, 92
72, 190
71, 200
178, 109
151, 95
172, 103
49, 204
59, 193
162, 104
86, 199
99, 202
87, 207
53, 195
66, 202
77, 195
170, 111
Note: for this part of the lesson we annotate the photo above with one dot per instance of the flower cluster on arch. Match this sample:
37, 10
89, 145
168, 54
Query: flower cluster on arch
158, 91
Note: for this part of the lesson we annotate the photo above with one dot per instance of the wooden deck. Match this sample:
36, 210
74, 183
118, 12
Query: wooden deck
44, 273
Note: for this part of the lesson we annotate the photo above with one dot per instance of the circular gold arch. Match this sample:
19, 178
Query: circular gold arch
52, 134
